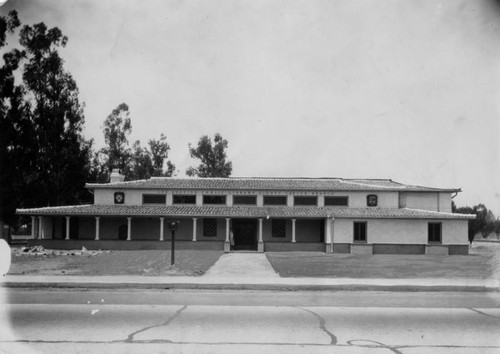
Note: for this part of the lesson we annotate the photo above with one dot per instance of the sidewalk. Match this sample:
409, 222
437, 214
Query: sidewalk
249, 283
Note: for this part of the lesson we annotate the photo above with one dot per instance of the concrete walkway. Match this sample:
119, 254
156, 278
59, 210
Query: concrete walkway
242, 265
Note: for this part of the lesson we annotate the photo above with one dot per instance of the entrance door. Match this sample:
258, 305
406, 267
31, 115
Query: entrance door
245, 234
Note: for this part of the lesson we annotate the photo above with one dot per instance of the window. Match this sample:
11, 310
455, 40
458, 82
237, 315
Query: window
119, 198
434, 232
359, 231
210, 227
244, 200
278, 228
371, 200
305, 200
184, 199
274, 200
154, 199
336, 201
214, 199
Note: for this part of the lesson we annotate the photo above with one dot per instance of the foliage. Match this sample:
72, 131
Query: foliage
135, 163
57, 117
12, 122
44, 157
117, 127
212, 157
485, 222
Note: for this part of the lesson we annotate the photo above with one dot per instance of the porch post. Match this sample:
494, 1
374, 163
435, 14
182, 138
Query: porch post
40, 226
328, 235
97, 228
162, 219
293, 230
33, 226
67, 227
260, 245
129, 226
194, 229
227, 242
227, 229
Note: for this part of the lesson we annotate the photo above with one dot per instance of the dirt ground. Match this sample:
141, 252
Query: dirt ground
148, 263
483, 262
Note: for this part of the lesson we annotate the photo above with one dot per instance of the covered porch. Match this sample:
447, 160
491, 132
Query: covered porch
201, 232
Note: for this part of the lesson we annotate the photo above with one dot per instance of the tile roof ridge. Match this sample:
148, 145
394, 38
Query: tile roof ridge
371, 185
246, 178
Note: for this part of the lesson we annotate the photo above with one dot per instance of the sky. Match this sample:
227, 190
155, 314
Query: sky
406, 90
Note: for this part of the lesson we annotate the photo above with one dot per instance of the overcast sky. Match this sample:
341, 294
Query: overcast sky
407, 90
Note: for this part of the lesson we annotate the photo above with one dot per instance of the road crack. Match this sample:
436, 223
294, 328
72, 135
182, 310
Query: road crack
483, 313
322, 325
177, 313
374, 345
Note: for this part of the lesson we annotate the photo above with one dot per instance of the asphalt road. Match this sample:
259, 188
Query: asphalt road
61, 321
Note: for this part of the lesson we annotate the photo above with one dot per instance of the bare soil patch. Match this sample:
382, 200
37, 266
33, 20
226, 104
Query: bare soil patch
140, 262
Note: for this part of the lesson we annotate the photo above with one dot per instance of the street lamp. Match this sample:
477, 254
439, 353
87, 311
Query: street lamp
172, 226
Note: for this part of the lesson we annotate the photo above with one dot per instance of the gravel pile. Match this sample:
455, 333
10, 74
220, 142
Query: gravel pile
41, 251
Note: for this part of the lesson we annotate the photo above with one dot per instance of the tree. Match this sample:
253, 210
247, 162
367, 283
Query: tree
159, 152
483, 223
43, 153
98, 167
12, 122
489, 226
135, 163
496, 227
57, 116
117, 127
146, 163
213, 158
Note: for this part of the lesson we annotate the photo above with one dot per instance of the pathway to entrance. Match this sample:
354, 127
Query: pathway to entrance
236, 265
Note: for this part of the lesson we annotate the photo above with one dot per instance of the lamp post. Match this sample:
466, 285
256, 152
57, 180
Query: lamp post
172, 226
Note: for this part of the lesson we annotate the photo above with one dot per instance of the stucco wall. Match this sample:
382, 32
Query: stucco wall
401, 231
425, 201
445, 202
356, 199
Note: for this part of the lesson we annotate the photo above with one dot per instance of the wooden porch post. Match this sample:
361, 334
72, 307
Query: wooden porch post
129, 227
67, 227
260, 245
97, 228
162, 219
194, 229
33, 226
40, 227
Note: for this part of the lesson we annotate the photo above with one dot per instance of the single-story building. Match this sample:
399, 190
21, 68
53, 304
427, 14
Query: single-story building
334, 215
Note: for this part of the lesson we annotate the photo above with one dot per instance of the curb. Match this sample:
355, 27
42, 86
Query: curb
242, 286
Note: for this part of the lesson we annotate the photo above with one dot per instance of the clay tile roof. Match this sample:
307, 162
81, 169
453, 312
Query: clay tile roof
240, 212
254, 183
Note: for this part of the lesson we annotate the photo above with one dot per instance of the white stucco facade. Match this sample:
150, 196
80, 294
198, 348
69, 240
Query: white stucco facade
406, 231
390, 217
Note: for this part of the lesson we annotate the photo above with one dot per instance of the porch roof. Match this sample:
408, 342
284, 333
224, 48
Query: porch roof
240, 212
